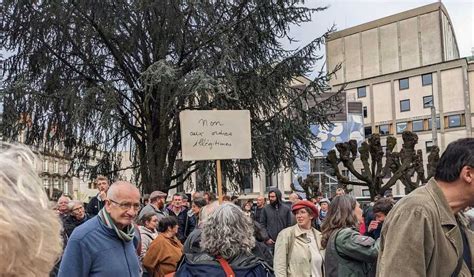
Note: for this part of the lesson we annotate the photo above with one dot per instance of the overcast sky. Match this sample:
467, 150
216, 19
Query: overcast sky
349, 13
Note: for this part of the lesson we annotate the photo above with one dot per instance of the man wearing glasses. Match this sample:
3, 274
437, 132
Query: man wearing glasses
103, 246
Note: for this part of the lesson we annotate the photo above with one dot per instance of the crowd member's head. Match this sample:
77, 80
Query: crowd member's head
293, 197
185, 201
209, 196
123, 203
169, 226
381, 208
146, 199
227, 232
63, 202
324, 204
226, 198
196, 195
149, 221
456, 169
157, 199
340, 191
344, 211
76, 209
247, 207
197, 205
30, 232
177, 200
102, 183
261, 201
274, 196
305, 212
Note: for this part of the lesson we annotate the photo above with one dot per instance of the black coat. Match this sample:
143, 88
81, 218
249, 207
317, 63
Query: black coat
276, 217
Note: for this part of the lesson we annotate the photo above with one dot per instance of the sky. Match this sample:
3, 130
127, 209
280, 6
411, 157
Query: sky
348, 13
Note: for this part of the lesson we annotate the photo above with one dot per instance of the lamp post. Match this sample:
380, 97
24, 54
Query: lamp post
434, 125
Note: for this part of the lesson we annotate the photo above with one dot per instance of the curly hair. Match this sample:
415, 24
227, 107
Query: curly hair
30, 232
227, 232
340, 215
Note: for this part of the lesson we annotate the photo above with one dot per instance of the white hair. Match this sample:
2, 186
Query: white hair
30, 233
227, 232
74, 203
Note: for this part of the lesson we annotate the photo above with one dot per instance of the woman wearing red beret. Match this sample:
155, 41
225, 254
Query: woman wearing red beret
298, 250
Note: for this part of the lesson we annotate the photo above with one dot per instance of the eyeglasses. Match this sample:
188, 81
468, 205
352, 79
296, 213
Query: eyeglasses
78, 208
126, 205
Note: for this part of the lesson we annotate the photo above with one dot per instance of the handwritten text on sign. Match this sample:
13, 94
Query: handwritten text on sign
215, 135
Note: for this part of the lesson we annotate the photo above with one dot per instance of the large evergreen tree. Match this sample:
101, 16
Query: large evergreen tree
103, 76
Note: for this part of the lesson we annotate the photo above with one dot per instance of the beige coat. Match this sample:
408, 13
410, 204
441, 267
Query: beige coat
299, 264
420, 237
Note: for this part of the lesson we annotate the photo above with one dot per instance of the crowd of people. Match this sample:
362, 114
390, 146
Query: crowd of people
120, 233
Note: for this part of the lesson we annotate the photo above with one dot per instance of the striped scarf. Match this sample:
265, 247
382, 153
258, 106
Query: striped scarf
126, 236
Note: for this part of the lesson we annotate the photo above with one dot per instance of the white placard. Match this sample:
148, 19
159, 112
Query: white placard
215, 135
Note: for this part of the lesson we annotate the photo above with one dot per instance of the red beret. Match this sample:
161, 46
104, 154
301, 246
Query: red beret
304, 204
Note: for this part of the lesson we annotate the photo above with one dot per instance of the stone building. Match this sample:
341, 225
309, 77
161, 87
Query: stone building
399, 67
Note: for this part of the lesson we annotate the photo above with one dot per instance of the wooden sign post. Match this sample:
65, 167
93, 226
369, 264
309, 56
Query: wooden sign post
215, 135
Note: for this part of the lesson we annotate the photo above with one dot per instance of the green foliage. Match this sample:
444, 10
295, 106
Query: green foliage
106, 76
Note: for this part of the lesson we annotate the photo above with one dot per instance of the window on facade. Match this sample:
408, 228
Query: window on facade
438, 123
247, 178
427, 101
56, 167
426, 79
403, 84
454, 121
367, 131
45, 166
66, 188
417, 126
405, 105
364, 111
384, 129
366, 192
271, 180
401, 127
428, 146
361, 92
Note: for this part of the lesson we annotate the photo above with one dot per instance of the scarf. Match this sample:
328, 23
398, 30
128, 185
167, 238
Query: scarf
126, 236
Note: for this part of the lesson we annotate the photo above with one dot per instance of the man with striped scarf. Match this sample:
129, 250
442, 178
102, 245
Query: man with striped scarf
103, 246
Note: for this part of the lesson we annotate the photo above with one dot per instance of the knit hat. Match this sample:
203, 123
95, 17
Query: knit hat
304, 204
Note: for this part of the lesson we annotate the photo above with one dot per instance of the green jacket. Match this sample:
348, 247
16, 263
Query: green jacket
350, 254
420, 236
294, 260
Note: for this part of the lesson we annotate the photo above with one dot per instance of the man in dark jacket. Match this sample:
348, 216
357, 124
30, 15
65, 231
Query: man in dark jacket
181, 213
98, 202
276, 216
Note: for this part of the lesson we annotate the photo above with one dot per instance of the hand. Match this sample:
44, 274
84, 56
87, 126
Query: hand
102, 195
374, 224
270, 242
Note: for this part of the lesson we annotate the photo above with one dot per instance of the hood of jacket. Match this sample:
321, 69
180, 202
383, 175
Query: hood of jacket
278, 194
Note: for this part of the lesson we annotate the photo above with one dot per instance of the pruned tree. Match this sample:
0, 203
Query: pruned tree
106, 76
311, 186
398, 165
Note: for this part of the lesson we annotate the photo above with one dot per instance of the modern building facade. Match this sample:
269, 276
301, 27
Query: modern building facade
400, 66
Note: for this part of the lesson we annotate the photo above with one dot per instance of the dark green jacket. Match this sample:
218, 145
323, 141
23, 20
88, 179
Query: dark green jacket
350, 254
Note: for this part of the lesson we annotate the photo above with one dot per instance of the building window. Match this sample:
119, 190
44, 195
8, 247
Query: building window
428, 146
454, 121
427, 101
401, 127
404, 105
426, 79
364, 110
403, 84
366, 193
438, 123
367, 131
417, 126
384, 129
361, 92
66, 188
56, 167
45, 166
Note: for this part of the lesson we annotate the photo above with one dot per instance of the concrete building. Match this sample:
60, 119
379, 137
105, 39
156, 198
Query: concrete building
401, 65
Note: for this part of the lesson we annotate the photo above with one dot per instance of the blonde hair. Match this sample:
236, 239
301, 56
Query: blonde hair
30, 232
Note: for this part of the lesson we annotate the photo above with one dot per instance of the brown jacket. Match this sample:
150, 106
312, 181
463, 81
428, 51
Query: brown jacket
163, 255
420, 236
